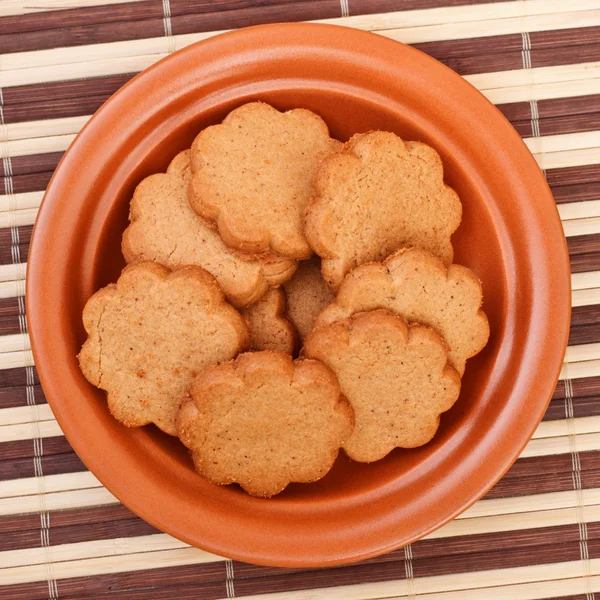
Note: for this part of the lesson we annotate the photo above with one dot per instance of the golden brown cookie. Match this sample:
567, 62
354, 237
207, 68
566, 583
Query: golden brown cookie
307, 295
269, 326
150, 334
377, 195
417, 285
264, 421
253, 176
396, 377
164, 229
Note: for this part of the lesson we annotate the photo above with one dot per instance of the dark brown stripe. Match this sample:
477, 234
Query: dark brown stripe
580, 388
574, 175
587, 334
93, 15
542, 483
185, 19
584, 315
17, 396
6, 253
6, 240
9, 306
78, 88
583, 244
10, 326
557, 107
20, 540
580, 36
54, 108
35, 163
25, 449
27, 183
569, 124
588, 406
581, 263
16, 377
51, 465
113, 513
555, 463
81, 35
549, 57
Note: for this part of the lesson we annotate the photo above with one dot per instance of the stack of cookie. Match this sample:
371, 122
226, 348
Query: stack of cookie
269, 239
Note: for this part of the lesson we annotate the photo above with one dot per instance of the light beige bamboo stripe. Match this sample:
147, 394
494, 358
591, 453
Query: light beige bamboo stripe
12, 289
27, 431
583, 281
10, 8
29, 200
25, 414
11, 343
578, 297
30, 486
18, 218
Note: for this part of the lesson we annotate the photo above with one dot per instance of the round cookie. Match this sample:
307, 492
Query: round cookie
418, 286
164, 229
395, 376
307, 295
253, 175
150, 334
264, 421
376, 195
269, 326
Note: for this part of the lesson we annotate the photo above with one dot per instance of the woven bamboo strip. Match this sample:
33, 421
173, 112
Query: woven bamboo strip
12, 289
56, 501
30, 486
577, 227
12, 343
18, 218
543, 91
25, 414
568, 212
45, 128
24, 7
489, 28
586, 297
29, 200
581, 425
558, 143
582, 281
568, 158
26, 431
94, 549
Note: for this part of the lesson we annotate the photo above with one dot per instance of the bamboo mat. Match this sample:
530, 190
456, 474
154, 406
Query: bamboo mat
535, 535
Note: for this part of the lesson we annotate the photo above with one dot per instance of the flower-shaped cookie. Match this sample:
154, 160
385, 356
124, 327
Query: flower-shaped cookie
270, 329
395, 376
150, 334
264, 421
418, 286
377, 195
164, 229
253, 175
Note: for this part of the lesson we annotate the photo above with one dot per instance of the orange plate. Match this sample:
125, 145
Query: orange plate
511, 237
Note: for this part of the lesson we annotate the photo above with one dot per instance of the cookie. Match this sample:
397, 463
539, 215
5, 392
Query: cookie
269, 326
417, 285
307, 295
253, 175
377, 195
150, 334
396, 377
264, 421
164, 229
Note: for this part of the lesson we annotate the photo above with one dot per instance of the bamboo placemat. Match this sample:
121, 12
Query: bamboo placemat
535, 535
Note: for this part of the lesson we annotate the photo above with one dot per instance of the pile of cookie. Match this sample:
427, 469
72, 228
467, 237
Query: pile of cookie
269, 240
